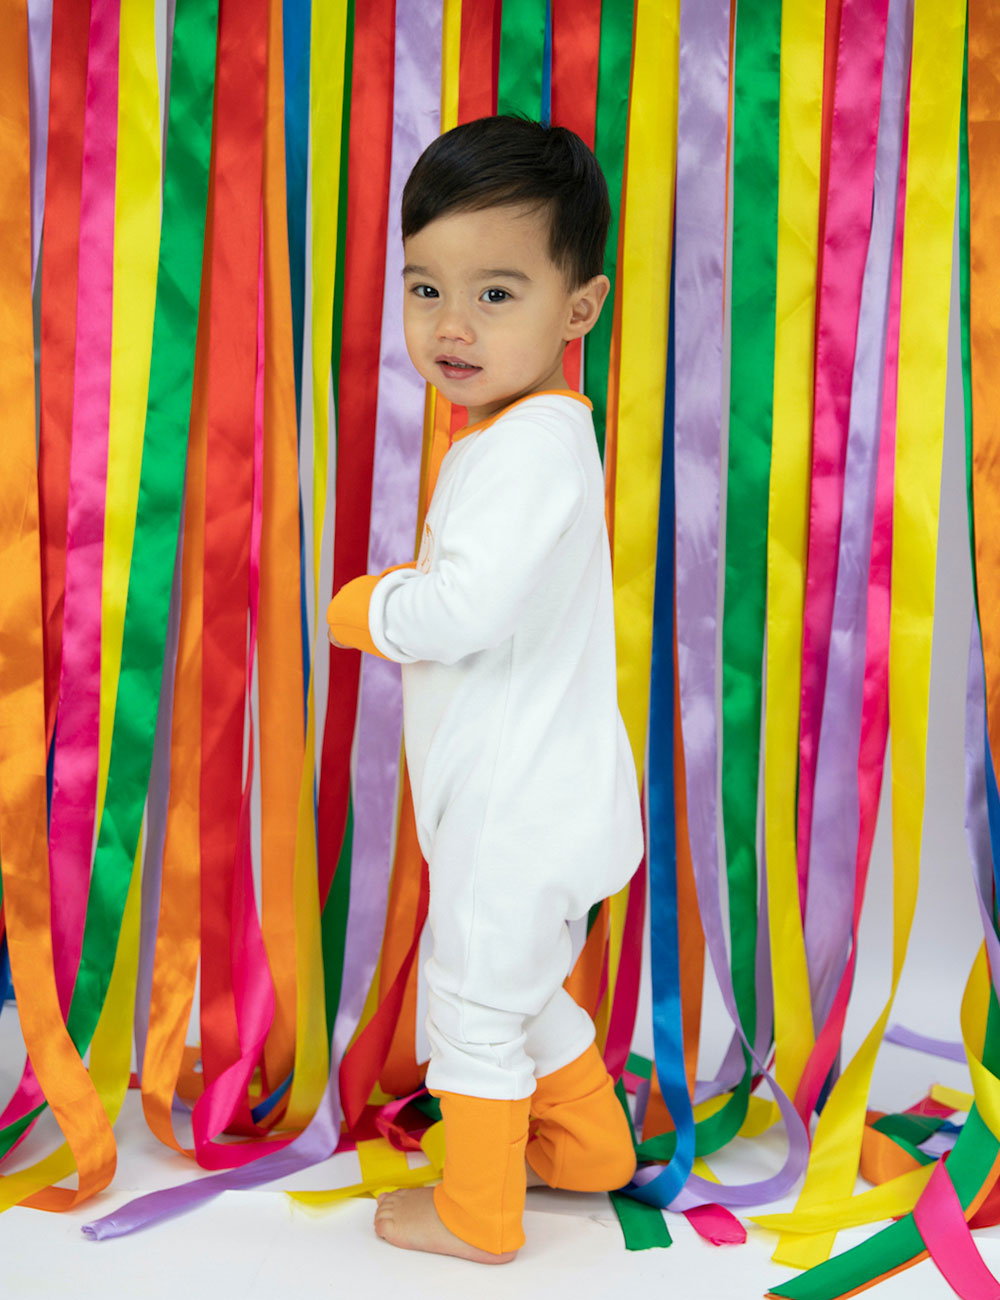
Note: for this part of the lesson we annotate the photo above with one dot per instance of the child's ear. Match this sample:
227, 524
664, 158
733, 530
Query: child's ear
586, 306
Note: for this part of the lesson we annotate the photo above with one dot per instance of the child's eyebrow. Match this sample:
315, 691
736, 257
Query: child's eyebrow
410, 269
500, 273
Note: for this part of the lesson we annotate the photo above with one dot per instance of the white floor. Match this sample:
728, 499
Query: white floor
262, 1244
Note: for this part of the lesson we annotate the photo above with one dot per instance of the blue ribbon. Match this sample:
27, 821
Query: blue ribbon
668, 1031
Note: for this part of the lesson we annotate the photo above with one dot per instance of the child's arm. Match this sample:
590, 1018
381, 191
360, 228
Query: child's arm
347, 614
521, 492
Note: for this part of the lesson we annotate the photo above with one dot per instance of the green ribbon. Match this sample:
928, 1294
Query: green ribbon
614, 73
333, 918
643, 1226
522, 58
754, 276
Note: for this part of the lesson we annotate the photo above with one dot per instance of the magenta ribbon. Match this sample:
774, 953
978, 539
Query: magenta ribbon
39, 56
850, 184
940, 1220
870, 738
833, 805
74, 785
74, 789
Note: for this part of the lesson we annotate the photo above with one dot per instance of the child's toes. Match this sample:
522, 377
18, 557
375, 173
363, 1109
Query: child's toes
383, 1214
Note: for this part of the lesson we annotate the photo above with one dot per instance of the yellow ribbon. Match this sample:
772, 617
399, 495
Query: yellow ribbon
451, 45
383, 1169
326, 147
645, 304
137, 241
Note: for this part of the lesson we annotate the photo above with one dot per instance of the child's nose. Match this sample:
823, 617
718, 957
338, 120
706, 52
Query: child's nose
454, 323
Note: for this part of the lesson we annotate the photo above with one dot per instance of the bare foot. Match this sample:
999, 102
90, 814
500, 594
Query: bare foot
408, 1218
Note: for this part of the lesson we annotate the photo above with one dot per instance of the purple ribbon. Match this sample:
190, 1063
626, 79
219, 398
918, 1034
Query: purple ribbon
39, 56
904, 1037
396, 473
977, 827
703, 106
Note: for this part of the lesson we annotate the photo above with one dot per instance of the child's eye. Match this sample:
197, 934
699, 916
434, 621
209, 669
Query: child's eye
496, 295
424, 291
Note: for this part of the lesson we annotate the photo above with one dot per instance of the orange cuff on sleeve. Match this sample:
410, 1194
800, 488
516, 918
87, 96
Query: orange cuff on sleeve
347, 614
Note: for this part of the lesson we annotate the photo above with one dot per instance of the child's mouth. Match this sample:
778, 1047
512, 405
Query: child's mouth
453, 368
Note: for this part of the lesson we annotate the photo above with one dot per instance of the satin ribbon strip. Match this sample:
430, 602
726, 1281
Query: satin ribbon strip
39, 65
755, 188
60, 270
941, 1222
854, 734
396, 469
232, 345
75, 765
848, 191
792, 401
366, 226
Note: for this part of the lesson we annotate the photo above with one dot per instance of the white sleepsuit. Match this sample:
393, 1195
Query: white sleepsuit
523, 782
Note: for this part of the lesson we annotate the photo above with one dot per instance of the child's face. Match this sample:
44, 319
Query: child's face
486, 311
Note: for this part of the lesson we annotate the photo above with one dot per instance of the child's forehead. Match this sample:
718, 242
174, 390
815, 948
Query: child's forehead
514, 238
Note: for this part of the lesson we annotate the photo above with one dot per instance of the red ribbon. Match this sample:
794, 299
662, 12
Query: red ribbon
364, 275
232, 362
479, 51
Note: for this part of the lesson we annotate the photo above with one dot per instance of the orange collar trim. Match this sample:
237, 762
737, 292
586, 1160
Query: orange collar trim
491, 419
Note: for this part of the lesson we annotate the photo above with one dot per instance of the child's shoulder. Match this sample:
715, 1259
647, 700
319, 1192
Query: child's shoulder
565, 416
546, 436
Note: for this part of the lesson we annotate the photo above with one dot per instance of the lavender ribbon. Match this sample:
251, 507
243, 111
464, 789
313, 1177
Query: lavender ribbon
702, 128
415, 118
977, 827
904, 1037
396, 474
836, 810
39, 63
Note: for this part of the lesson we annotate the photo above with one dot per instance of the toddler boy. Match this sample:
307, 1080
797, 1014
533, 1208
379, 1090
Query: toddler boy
523, 782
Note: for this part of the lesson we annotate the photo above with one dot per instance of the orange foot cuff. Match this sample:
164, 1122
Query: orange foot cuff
481, 1196
581, 1138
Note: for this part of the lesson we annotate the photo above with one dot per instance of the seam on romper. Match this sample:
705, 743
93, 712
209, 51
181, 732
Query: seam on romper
501, 733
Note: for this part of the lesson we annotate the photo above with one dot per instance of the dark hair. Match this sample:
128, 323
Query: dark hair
499, 161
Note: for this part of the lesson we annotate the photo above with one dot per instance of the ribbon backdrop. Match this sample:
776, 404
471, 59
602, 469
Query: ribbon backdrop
228, 429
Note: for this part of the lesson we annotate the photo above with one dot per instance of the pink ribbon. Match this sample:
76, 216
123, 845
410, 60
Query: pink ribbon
851, 179
941, 1222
